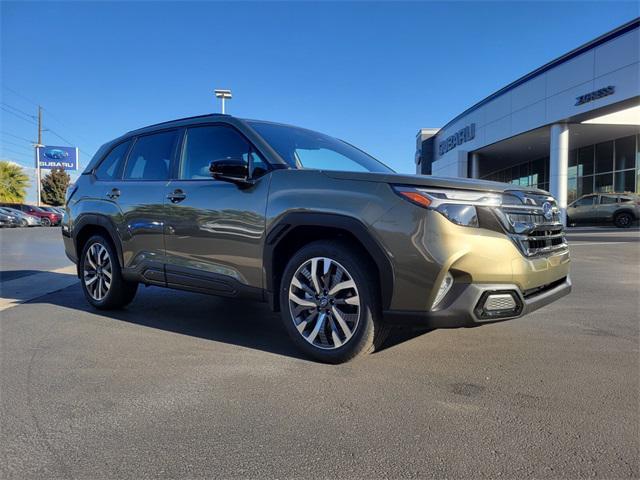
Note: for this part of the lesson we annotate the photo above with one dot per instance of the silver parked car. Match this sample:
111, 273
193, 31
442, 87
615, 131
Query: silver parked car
7, 220
23, 219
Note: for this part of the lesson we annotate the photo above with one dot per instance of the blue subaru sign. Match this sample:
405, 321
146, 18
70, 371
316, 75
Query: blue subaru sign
58, 157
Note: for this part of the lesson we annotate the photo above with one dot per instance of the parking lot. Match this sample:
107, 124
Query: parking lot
185, 385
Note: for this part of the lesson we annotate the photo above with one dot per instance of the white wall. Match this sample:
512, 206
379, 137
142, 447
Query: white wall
549, 98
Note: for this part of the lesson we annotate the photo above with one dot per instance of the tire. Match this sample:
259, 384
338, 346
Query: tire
24, 223
45, 222
623, 220
95, 268
329, 325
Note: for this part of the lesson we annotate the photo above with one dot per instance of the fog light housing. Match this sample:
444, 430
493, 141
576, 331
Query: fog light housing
445, 286
498, 304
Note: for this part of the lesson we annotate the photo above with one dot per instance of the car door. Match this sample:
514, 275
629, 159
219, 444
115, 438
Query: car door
606, 207
582, 210
139, 195
215, 229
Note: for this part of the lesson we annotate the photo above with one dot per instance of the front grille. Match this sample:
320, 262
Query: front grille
535, 226
534, 234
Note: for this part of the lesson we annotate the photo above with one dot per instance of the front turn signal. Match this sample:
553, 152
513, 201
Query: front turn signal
415, 197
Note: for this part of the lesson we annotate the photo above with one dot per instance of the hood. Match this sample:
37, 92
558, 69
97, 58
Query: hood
433, 182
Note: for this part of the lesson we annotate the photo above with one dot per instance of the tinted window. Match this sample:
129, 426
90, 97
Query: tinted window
604, 157
203, 145
585, 160
625, 181
625, 153
583, 202
110, 166
608, 199
150, 157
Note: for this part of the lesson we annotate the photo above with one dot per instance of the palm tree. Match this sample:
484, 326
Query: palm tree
13, 182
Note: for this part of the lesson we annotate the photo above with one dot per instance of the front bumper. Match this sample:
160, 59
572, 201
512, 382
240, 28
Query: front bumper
463, 309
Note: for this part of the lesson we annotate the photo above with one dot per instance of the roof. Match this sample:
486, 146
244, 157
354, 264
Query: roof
185, 120
621, 30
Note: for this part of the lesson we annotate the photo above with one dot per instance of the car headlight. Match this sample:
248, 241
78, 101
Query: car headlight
458, 206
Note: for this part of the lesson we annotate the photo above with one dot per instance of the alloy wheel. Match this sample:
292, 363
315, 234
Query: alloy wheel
624, 220
324, 303
98, 271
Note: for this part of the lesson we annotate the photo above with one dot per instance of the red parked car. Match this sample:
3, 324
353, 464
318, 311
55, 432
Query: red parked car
46, 218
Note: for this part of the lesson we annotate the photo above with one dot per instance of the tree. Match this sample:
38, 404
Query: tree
54, 187
13, 182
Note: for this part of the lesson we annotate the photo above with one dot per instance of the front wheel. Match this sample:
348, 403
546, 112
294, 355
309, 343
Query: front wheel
329, 303
101, 277
623, 220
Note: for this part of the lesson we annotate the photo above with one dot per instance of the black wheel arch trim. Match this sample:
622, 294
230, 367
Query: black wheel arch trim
630, 211
289, 221
97, 220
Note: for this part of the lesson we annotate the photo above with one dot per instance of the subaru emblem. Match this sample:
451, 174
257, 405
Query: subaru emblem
547, 210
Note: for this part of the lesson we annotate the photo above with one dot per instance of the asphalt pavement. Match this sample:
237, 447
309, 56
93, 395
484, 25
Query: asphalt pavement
181, 385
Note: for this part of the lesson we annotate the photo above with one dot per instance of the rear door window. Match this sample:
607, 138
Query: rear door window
151, 156
608, 199
110, 166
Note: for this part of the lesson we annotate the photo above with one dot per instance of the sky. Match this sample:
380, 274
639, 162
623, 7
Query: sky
372, 74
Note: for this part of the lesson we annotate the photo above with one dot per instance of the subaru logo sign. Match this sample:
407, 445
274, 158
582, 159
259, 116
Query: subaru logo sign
57, 157
56, 154
547, 210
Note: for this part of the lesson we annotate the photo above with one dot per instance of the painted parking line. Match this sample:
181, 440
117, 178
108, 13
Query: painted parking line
22, 289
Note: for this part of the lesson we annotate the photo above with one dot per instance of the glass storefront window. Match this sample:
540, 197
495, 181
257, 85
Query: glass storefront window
625, 181
585, 160
616, 165
572, 189
604, 157
604, 182
585, 185
625, 153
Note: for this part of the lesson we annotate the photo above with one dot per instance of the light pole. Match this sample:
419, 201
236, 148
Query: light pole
223, 94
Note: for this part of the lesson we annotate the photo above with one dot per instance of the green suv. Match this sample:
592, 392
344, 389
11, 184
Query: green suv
336, 241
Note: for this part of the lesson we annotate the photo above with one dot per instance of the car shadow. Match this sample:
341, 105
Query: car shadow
228, 320
8, 275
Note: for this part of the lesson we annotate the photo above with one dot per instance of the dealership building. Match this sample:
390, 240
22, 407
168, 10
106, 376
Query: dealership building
571, 127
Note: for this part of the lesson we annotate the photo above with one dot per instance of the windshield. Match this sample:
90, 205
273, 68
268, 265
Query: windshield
302, 148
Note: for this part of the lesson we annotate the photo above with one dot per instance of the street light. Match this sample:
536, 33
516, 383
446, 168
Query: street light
223, 94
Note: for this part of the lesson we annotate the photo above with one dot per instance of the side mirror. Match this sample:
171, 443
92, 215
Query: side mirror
234, 170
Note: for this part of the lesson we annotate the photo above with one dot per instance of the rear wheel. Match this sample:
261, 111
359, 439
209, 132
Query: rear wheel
329, 303
45, 222
623, 220
101, 277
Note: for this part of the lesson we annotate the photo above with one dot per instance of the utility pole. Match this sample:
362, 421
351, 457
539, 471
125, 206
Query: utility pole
37, 147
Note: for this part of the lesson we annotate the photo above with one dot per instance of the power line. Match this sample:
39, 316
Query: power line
49, 112
18, 110
31, 142
13, 151
18, 115
20, 95
15, 144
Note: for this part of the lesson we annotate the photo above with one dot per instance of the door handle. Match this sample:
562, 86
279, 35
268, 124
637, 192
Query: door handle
177, 196
113, 194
